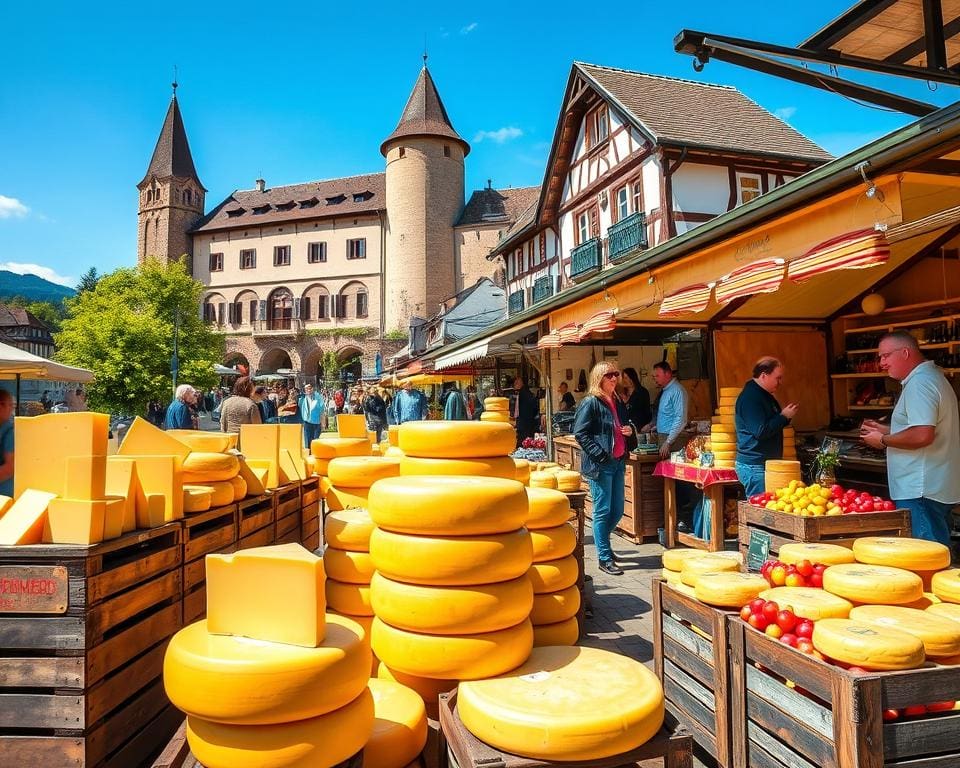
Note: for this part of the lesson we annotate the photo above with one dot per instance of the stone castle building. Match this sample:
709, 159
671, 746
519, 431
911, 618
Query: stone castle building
339, 265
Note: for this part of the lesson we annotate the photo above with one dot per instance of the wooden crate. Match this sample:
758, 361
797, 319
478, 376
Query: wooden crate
461, 749
286, 501
834, 529
83, 686
692, 661
311, 517
203, 534
255, 513
840, 723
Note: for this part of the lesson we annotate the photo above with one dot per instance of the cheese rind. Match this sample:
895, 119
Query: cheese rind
873, 584
565, 632
361, 471
546, 508
348, 567
271, 593
553, 543
456, 439
940, 635
333, 447
553, 575
201, 440
348, 529
399, 728
871, 646
556, 606
221, 492
494, 466
349, 599
24, 521
339, 499
200, 467
907, 553
810, 602
196, 498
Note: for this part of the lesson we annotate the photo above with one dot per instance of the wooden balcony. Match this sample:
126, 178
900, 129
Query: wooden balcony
627, 237
586, 260
542, 288
515, 302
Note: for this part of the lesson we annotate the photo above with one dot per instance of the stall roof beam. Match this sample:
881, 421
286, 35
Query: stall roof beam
936, 43
849, 21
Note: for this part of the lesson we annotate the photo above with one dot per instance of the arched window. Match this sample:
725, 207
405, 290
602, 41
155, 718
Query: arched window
280, 310
186, 196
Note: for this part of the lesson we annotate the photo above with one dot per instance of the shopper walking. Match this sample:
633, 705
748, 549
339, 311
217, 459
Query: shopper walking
601, 429
526, 410
635, 397
311, 414
409, 404
178, 412
375, 408
455, 407
239, 408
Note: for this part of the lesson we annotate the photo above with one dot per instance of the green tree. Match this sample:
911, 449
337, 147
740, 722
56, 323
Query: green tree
89, 280
123, 331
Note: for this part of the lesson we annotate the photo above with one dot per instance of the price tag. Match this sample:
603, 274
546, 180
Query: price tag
33, 589
759, 550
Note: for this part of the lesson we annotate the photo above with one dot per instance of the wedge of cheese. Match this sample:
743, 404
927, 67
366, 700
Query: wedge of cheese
23, 523
144, 439
121, 480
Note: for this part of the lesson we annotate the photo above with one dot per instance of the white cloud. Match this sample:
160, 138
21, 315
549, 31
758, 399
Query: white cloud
11, 208
499, 136
40, 271
469, 28
785, 113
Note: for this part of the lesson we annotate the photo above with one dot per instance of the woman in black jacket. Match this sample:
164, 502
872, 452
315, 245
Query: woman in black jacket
602, 430
636, 398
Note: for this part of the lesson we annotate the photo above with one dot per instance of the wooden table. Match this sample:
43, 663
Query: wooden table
713, 482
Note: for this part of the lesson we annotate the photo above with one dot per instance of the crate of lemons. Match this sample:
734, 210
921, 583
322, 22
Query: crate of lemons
797, 498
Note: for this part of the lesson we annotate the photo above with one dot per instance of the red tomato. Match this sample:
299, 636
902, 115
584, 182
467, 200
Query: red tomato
889, 715
756, 605
804, 645
788, 638
888, 506
796, 580
786, 620
804, 568
804, 629
867, 506
819, 568
757, 621
770, 611
836, 490
864, 496
745, 612
816, 580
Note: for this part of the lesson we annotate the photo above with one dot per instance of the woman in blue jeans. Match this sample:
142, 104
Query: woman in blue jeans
602, 430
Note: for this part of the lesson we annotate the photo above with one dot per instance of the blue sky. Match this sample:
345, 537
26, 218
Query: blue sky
308, 91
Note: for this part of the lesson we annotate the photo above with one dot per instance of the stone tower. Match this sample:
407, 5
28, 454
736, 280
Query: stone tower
171, 195
424, 188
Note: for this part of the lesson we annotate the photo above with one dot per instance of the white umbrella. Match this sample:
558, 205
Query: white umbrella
16, 363
222, 370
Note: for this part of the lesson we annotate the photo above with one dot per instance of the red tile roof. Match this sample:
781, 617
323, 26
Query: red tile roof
487, 206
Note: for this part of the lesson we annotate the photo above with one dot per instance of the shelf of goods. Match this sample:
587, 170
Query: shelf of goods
844, 529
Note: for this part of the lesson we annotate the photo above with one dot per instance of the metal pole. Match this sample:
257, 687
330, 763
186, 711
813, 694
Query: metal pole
175, 360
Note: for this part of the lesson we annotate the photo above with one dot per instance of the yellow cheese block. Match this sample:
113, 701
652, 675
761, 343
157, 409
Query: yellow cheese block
348, 529
554, 607
338, 499
267, 471
334, 447
949, 610
554, 575
494, 466
290, 464
451, 610
85, 477
779, 465
346, 566
873, 584
681, 587
67, 434
522, 470
726, 410
733, 392
729, 401
242, 595
815, 552
673, 559
23, 522
910, 554
546, 508
239, 487
400, 727
554, 707
5, 503
261, 447
542, 479
254, 478
945, 585
543, 466
234, 680
201, 467
809, 602
290, 452
495, 401
448, 505
727, 589
565, 632
494, 417
112, 517
361, 471
456, 439
158, 476
393, 434
352, 425
206, 442
317, 742
719, 440
568, 481
349, 599
196, 498
724, 455
692, 567
460, 657
940, 635
121, 480
82, 521
428, 688
451, 560
221, 493
144, 439
870, 646
553, 543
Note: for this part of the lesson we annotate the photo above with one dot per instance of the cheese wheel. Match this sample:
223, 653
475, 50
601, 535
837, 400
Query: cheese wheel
815, 552
733, 392
399, 728
464, 610
910, 554
940, 635
221, 492
451, 505
809, 602
236, 680
205, 442
546, 508
361, 471
495, 417
949, 610
724, 455
338, 499
568, 481
924, 602
522, 470
692, 567
317, 742
346, 566
451, 560
349, 599
320, 466
681, 587
239, 487
554, 607
196, 498
495, 401
348, 529
555, 708
542, 479
543, 466
456, 439
728, 402
726, 410
553, 543
554, 575
447, 657
673, 559
565, 632
495, 466
334, 447
671, 577
870, 646
946, 585
724, 464
428, 688
201, 466
728, 589
873, 584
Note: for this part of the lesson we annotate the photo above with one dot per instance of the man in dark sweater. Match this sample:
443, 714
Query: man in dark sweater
760, 421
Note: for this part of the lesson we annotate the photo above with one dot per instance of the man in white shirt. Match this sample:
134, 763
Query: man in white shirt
922, 440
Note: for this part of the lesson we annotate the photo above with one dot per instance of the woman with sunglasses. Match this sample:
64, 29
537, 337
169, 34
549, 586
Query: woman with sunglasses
602, 430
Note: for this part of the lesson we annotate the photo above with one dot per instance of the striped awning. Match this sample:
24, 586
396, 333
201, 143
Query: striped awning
569, 333
549, 341
854, 250
693, 298
601, 322
762, 276
472, 352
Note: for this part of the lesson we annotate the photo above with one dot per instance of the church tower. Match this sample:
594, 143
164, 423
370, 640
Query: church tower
424, 187
171, 195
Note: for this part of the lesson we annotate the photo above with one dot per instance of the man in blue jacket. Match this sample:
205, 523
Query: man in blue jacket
409, 404
178, 412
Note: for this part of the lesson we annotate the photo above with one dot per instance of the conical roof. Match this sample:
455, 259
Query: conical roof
424, 115
171, 156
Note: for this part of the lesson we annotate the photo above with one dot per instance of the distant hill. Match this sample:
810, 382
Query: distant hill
31, 287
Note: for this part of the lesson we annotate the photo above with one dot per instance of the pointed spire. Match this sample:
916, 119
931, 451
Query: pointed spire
171, 156
424, 114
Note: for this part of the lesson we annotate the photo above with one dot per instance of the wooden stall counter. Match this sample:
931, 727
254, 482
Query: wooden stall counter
714, 482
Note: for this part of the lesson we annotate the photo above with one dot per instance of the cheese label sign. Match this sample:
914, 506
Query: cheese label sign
33, 589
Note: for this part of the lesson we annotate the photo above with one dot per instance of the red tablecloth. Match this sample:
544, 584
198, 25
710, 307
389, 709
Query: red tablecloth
691, 474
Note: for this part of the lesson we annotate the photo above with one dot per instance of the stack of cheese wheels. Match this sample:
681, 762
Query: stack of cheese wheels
326, 448
810, 602
496, 409
924, 558
723, 430
940, 635
265, 681
872, 646
779, 472
523, 470
568, 481
399, 728
556, 601
946, 585
673, 560
211, 473
349, 478
349, 567
543, 479
815, 552
873, 584
566, 704
789, 443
